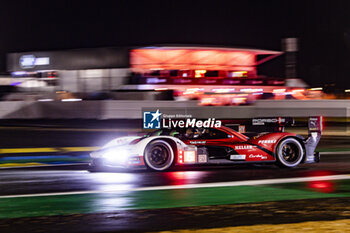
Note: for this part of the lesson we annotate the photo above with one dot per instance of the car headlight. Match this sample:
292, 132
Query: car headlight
117, 156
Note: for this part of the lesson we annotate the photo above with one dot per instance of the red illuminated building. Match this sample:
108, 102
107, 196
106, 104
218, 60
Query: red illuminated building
216, 76
197, 61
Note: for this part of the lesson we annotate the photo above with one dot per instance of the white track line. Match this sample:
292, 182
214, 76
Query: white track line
191, 186
335, 153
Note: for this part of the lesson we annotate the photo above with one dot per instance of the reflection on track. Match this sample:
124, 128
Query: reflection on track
185, 177
127, 210
43, 180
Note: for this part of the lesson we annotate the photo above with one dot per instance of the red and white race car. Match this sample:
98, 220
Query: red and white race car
165, 148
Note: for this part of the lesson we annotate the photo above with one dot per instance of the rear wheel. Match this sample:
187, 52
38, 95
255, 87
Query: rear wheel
159, 155
289, 153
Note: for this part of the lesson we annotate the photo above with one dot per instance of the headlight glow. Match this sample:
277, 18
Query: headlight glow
117, 156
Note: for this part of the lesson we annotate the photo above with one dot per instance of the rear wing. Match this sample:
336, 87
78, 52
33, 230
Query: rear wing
315, 124
315, 127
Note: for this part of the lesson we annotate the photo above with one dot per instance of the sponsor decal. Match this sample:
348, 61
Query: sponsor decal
134, 160
197, 142
315, 124
202, 158
151, 120
263, 121
237, 157
244, 147
266, 141
251, 156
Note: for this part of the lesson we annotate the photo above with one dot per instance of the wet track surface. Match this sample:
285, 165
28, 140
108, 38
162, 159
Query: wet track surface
77, 178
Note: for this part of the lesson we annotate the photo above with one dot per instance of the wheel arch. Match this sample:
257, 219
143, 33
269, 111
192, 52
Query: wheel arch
141, 146
299, 138
171, 142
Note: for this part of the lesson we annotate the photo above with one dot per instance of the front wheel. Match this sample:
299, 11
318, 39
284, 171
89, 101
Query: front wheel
159, 155
289, 153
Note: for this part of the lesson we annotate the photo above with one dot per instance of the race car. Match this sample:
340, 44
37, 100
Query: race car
165, 148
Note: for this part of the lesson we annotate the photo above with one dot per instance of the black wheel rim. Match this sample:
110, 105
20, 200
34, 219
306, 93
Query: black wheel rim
159, 156
290, 152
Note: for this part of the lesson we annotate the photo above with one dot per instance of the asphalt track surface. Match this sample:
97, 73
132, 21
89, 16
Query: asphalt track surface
77, 178
70, 179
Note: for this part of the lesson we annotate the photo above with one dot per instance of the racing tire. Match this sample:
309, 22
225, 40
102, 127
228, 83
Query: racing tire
289, 153
159, 155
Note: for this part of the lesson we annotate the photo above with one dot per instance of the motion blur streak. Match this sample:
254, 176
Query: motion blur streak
39, 150
192, 186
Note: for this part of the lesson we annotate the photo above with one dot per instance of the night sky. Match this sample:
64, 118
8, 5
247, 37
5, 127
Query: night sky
323, 29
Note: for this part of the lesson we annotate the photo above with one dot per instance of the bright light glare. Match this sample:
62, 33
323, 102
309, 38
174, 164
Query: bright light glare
348, 90
70, 100
190, 91
239, 74
239, 100
209, 100
114, 181
119, 156
199, 73
251, 90
279, 90
298, 90
45, 100
316, 89
161, 89
221, 90
40, 61
185, 177
16, 73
